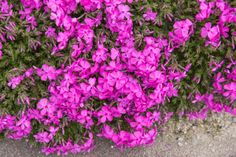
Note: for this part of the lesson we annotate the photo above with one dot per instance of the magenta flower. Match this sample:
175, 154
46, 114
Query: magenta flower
50, 32
182, 31
105, 114
91, 5
107, 132
45, 107
43, 137
230, 91
212, 33
5, 9
100, 55
124, 11
232, 74
29, 72
150, 15
76, 50
224, 30
183, 28
140, 122
218, 79
20, 129
150, 136
117, 79
1, 54
206, 9
114, 53
47, 72
124, 138
32, 4
15, 81
85, 118
53, 130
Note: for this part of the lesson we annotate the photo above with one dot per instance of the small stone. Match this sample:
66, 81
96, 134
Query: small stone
234, 119
180, 144
233, 135
180, 139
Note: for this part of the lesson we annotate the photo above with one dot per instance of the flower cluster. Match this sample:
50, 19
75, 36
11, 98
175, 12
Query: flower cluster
150, 15
224, 87
5, 12
108, 88
227, 16
182, 32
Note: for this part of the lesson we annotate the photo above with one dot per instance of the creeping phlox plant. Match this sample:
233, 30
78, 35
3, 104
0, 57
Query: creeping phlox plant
72, 70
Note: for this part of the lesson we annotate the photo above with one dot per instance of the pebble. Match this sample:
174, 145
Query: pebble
180, 139
180, 144
234, 119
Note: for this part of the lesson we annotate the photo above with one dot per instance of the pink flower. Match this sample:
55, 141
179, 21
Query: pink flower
105, 114
5, 9
47, 72
15, 81
182, 31
20, 129
150, 136
62, 39
43, 137
140, 122
76, 50
85, 118
124, 11
100, 55
212, 33
117, 79
206, 9
53, 130
107, 132
224, 30
150, 15
230, 91
1, 54
232, 74
91, 5
124, 138
32, 4
45, 107
28, 72
217, 66
114, 53
50, 32
88, 145
183, 28
218, 79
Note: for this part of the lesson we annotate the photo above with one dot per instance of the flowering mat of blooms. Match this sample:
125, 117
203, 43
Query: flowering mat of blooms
73, 70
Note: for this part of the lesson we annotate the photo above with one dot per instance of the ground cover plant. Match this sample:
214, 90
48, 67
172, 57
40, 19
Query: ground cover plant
73, 70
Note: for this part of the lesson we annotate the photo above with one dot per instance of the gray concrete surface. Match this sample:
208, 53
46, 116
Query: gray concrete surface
198, 142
